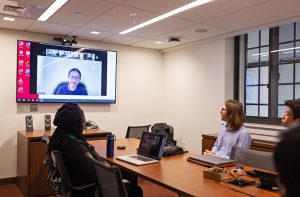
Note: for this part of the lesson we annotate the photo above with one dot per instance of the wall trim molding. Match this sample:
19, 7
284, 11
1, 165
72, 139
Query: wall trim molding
11, 180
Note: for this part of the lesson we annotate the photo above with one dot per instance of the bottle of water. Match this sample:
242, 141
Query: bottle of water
110, 145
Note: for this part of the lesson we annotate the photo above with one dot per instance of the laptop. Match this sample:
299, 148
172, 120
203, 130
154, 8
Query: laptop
150, 149
211, 160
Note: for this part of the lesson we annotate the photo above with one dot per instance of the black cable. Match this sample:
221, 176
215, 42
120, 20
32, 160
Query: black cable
228, 186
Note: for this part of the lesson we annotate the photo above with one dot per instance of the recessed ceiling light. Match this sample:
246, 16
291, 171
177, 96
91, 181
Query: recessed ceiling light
52, 9
166, 15
133, 14
95, 32
199, 31
6, 18
158, 42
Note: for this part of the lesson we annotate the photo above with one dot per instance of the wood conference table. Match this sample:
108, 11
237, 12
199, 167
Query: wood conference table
177, 174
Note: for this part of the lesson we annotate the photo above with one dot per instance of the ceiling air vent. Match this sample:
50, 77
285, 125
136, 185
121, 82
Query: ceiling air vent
174, 39
14, 9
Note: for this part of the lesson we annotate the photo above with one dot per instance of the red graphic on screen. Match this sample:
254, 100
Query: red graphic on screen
23, 73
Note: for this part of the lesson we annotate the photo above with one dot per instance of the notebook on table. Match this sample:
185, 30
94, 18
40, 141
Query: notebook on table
150, 149
211, 160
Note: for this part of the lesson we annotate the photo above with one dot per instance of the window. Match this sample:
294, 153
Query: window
272, 72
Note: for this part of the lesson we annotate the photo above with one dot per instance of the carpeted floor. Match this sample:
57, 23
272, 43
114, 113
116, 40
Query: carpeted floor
149, 189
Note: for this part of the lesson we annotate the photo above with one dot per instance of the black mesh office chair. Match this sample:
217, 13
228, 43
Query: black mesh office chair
110, 180
54, 178
254, 158
136, 131
66, 186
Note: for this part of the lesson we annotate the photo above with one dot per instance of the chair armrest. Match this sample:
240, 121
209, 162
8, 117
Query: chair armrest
127, 185
81, 187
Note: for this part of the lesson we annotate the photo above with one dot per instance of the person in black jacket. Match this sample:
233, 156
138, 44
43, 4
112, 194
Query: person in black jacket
68, 139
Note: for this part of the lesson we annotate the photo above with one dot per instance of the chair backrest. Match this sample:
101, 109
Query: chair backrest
254, 158
164, 129
45, 139
136, 131
59, 164
109, 179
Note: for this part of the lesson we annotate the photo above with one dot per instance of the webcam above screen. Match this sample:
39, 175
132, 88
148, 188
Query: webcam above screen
55, 73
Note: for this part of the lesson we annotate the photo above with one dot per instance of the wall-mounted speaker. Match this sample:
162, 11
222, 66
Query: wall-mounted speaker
29, 123
47, 122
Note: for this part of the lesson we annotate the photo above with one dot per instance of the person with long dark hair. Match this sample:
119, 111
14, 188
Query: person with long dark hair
233, 132
69, 140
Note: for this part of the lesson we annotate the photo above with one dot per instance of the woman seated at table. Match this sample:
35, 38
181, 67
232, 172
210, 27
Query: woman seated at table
69, 140
233, 132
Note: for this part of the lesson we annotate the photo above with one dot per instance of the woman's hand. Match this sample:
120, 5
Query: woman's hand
208, 152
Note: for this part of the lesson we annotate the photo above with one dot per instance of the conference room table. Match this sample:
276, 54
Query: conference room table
177, 174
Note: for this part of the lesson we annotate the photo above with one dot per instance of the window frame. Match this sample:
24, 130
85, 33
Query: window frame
273, 65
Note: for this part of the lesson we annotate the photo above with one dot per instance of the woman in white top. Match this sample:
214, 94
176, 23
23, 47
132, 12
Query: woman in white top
233, 132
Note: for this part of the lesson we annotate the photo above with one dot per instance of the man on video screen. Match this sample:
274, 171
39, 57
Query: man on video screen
74, 87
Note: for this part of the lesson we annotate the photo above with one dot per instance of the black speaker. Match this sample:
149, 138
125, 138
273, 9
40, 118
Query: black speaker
47, 122
29, 123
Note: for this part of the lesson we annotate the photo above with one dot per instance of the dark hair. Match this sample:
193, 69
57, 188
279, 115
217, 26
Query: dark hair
294, 104
70, 119
287, 160
74, 70
235, 114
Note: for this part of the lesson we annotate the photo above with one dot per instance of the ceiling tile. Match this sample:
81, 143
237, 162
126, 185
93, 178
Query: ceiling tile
92, 8
86, 34
164, 26
50, 28
150, 43
118, 19
18, 24
157, 5
31, 9
114, 1
123, 39
43, 3
216, 8
258, 15
186, 35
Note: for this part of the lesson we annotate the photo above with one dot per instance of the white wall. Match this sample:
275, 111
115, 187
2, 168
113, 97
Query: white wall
194, 81
139, 94
184, 88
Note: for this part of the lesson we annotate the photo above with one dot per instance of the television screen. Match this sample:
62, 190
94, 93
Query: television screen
54, 73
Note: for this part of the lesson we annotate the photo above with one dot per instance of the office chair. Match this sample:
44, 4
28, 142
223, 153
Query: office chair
136, 131
66, 186
165, 129
254, 158
110, 180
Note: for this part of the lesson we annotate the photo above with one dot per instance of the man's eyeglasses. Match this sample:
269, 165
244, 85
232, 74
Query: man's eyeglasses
74, 78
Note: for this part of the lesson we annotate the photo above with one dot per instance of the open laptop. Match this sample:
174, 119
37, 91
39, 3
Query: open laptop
150, 149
